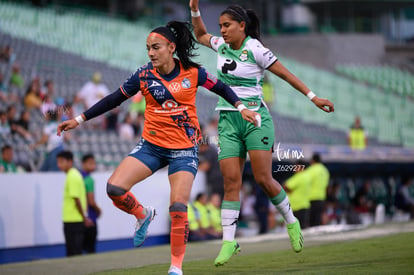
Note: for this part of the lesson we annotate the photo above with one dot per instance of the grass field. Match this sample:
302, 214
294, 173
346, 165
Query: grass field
377, 249
381, 255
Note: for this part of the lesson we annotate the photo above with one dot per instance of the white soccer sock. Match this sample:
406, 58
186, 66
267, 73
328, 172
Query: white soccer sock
229, 219
286, 211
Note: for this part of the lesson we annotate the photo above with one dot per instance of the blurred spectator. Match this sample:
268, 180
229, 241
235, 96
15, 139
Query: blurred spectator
5, 94
268, 91
137, 105
334, 209
138, 124
54, 143
16, 79
6, 162
11, 116
214, 210
33, 98
357, 138
112, 120
91, 92
4, 124
202, 215
6, 54
47, 104
22, 125
74, 205
18, 126
208, 163
363, 204
94, 211
404, 199
194, 233
126, 131
261, 208
298, 187
49, 89
247, 201
319, 178
211, 131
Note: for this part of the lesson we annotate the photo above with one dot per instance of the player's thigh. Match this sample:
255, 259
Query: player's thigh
129, 172
260, 138
180, 184
230, 142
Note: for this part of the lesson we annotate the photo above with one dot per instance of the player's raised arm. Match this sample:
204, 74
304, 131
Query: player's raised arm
199, 27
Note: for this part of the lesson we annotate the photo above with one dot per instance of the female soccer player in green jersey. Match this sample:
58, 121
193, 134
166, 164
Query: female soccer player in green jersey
241, 62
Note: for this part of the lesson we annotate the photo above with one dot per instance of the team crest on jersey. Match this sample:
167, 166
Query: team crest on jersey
186, 83
243, 56
169, 104
174, 87
216, 40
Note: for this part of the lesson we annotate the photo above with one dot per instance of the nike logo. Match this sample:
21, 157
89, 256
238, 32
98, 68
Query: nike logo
177, 217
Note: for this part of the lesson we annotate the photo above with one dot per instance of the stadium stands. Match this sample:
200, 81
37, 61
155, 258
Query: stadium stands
44, 49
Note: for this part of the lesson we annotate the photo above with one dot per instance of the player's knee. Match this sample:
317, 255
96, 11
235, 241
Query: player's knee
114, 191
178, 207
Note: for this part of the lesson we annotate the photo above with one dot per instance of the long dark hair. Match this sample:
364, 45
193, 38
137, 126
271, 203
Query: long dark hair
239, 14
180, 33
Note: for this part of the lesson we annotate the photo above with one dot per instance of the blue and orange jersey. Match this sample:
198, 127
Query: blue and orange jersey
170, 116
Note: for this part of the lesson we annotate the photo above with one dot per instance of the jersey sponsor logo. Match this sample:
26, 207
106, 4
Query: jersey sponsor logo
229, 65
174, 87
169, 104
182, 154
265, 140
159, 94
186, 83
243, 56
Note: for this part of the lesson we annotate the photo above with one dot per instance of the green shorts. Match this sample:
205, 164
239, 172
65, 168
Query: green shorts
237, 136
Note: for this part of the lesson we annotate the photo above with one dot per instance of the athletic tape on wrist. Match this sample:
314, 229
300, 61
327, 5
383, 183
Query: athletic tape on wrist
195, 13
310, 95
79, 119
241, 107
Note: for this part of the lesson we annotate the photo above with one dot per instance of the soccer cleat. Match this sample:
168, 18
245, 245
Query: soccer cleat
295, 235
228, 249
174, 271
141, 228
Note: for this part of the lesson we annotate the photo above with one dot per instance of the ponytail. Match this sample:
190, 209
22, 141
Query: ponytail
253, 27
185, 43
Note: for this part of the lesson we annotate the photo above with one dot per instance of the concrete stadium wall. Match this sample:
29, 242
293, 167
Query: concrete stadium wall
31, 208
327, 50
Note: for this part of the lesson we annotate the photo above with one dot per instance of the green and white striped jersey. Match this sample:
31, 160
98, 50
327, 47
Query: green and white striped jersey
243, 70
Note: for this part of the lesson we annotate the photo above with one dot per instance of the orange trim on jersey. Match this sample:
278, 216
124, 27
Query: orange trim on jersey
160, 36
123, 91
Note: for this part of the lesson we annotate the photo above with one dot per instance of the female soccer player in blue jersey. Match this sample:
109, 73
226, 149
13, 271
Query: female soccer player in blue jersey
241, 63
171, 130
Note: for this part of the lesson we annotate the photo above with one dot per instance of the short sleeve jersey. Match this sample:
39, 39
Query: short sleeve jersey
242, 69
170, 115
74, 188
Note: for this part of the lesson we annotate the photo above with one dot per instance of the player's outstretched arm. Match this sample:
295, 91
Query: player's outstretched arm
69, 124
281, 71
